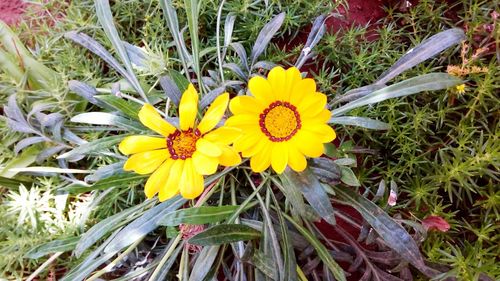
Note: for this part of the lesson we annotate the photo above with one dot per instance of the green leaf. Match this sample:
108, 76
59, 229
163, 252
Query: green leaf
395, 236
13, 183
143, 225
314, 193
129, 109
362, 122
322, 251
179, 80
91, 147
100, 229
266, 34
198, 215
110, 119
60, 245
50, 170
204, 263
27, 157
224, 233
427, 82
348, 177
119, 180
265, 264
103, 11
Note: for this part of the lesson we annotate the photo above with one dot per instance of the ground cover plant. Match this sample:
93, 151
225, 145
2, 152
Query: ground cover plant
434, 162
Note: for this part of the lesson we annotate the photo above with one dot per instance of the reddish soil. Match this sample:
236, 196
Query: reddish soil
11, 11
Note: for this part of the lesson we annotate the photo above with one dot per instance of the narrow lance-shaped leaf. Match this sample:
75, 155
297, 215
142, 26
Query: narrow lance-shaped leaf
322, 251
103, 11
314, 193
60, 245
198, 215
395, 236
223, 234
362, 122
144, 224
426, 82
265, 35
92, 147
425, 50
318, 29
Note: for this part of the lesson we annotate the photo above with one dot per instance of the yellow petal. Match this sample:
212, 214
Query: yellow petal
261, 89
191, 184
171, 188
214, 113
247, 141
279, 157
254, 149
261, 161
308, 144
229, 156
296, 160
292, 78
319, 118
224, 134
301, 89
277, 80
152, 119
246, 105
243, 121
158, 179
311, 105
188, 108
146, 162
136, 144
326, 132
204, 165
208, 148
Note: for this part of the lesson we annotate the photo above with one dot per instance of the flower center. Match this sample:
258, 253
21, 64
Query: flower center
182, 144
280, 121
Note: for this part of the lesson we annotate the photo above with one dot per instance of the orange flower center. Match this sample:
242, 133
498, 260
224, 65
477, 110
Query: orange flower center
280, 121
182, 144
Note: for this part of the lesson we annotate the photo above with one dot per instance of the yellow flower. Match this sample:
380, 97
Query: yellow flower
182, 156
460, 89
283, 121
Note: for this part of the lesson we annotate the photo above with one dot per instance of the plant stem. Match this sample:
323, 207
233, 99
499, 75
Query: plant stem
43, 266
165, 257
115, 261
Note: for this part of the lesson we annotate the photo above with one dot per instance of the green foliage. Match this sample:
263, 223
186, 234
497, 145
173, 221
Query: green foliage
441, 148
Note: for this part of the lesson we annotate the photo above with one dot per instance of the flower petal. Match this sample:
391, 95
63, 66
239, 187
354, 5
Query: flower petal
277, 80
261, 161
243, 121
208, 148
152, 119
308, 144
171, 188
188, 108
279, 157
229, 156
301, 89
254, 149
326, 132
246, 105
224, 134
136, 144
146, 162
261, 89
247, 141
158, 179
204, 165
296, 160
311, 105
214, 113
293, 76
191, 184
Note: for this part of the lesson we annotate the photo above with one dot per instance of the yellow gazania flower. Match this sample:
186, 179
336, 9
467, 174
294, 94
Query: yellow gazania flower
182, 156
283, 121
